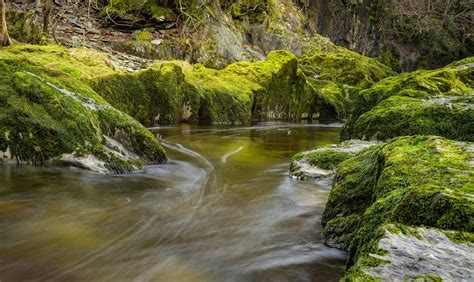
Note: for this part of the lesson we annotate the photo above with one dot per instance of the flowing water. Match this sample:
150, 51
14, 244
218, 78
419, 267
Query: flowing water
222, 209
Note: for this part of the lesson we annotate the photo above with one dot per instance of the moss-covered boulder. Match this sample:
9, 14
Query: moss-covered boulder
413, 181
49, 113
452, 117
156, 95
418, 254
168, 92
336, 77
422, 102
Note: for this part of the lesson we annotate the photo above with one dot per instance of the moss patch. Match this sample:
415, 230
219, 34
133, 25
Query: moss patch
23, 27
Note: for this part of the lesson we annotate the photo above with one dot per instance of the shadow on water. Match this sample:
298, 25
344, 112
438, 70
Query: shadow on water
223, 208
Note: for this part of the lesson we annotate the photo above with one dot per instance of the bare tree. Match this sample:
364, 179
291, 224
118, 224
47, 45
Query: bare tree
4, 38
46, 13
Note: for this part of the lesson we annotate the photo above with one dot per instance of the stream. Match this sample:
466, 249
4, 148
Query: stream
222, 209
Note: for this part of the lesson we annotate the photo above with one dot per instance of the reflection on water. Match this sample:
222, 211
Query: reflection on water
222, 209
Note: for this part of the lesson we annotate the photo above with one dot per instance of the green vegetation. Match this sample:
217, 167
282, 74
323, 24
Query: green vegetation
451, 118
273, 89
414, 181
22, 26
49, 110
337, 77
328, 159
421, 102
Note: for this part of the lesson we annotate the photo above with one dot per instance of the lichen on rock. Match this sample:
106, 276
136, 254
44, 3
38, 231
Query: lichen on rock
417, 253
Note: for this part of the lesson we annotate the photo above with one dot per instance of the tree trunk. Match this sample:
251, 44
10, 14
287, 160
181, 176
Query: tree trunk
4, 38
47, 11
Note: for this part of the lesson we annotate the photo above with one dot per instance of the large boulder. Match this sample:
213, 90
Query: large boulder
337, 77
435, 102
410, 181
273, 89
50, 114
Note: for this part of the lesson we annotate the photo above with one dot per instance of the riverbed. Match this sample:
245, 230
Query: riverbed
222, 209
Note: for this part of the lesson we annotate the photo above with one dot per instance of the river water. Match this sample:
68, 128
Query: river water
222, 209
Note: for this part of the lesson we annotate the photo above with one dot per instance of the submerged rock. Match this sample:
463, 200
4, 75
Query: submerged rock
49, 113
413, 181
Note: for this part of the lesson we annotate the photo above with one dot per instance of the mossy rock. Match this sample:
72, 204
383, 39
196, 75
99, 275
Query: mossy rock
273, 89
449, 82
322, 162
49, 111
414, 181
159, 95
416, 254
336, 77
138, 13
451, 117
23, 26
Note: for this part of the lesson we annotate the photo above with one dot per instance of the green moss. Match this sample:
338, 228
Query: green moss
272, 89
414, 181
339, 231
409, 116
48, 109
427, 278
452, 80
327, 159
144, 36
23, 27
460, 236
336, 77
156, 95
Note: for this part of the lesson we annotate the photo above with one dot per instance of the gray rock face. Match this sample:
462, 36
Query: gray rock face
365, 26
431, 253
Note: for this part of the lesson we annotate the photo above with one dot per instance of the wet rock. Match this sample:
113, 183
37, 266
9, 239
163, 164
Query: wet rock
422, 252
416, 181
322, 163
88, 162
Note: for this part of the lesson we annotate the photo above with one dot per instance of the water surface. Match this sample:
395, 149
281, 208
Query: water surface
222, 209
